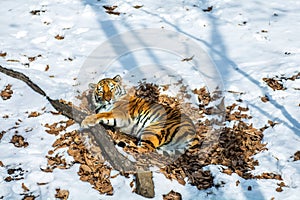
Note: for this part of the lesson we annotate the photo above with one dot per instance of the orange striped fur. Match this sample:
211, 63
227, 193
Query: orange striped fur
155, 125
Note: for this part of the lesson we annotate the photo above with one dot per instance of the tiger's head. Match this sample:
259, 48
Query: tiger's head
106, 92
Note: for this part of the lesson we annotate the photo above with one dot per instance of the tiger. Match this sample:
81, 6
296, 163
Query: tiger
156, 126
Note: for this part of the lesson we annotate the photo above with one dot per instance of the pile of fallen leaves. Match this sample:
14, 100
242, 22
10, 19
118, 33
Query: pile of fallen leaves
231, 147
276, 83
18, 141
92, 169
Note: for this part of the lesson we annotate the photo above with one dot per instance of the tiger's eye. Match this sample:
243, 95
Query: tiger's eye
100, 90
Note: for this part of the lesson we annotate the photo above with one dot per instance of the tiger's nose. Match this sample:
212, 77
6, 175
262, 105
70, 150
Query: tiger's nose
107, 97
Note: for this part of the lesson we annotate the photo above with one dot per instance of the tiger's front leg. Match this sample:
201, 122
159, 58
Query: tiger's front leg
108, 118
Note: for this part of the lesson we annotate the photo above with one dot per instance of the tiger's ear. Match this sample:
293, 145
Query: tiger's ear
117, 78
92, 86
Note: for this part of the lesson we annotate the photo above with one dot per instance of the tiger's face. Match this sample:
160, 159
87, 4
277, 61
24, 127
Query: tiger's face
107, 91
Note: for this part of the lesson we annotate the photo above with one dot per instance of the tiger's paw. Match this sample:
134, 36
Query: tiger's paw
89, 121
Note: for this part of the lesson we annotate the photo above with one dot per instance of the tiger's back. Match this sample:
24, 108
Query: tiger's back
155, 125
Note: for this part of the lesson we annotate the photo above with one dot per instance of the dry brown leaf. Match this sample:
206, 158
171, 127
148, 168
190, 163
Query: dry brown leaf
47, 170
3, 54
47, 67
297, 156
59, 37
172, 195
281, 184
138, 6
28, 197
34, 114
294, 77
6, 92
110, 10
243, 109
33, 58
37, 12
274, 83
18, 141
12, 60
25, 188
264, 99
208, 9
62, 194
57, 127
41, 183
271, 123
5, 116
279, 189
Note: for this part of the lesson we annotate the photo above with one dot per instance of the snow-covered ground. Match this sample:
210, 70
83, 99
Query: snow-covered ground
247, 41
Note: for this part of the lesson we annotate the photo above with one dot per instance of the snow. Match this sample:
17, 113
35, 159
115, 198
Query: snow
246, 41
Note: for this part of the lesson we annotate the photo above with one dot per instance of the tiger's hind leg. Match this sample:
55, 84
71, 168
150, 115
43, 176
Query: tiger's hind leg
151, 138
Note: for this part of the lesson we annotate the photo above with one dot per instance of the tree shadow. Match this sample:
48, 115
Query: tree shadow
110, 30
